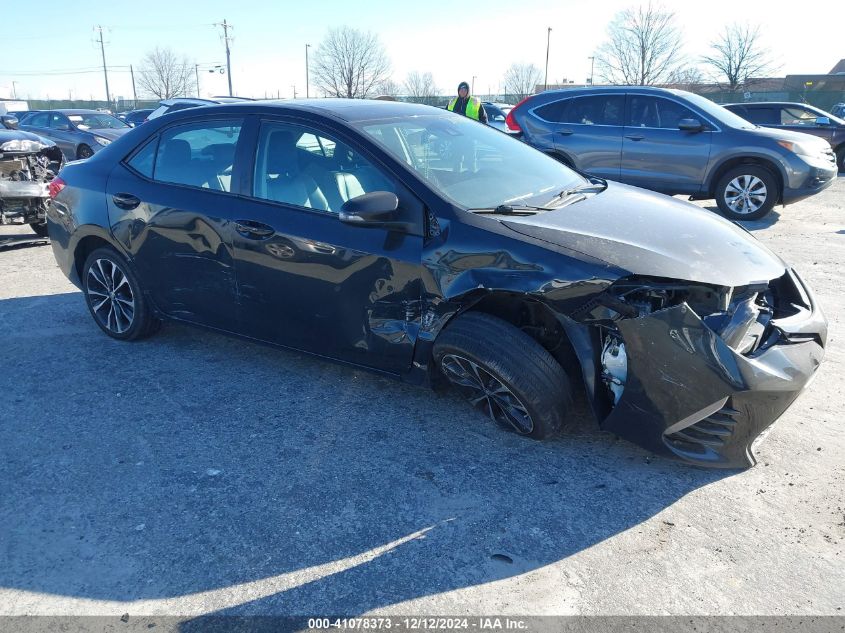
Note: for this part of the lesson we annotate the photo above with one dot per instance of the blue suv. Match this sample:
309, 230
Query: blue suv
675, 142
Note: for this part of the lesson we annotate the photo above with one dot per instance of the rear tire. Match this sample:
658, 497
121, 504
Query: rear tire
505, 373
115, 298
840, 159
39, 228
746, 192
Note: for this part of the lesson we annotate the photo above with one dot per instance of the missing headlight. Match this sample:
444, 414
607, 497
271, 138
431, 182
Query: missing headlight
614, 363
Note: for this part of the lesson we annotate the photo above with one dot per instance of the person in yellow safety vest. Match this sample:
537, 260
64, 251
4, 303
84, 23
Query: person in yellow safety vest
468, 106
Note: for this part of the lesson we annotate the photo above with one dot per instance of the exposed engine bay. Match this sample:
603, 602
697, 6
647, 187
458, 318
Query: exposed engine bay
26, 169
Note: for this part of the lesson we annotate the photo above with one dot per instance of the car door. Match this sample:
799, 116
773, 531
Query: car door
64, 134
305, 279
656, 154
171, 206
588, 130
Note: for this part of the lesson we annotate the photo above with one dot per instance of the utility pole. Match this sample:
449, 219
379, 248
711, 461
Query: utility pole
546, 79
592, 65
197, 73
226, 39
105, 72
14, 90
472, 89
307, 94
294, 90
134, 92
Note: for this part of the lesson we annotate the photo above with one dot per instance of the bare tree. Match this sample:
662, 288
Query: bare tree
738, 57
388, 88
420, 87
521, 80
164, 76
643, 47
350, 63
686, 78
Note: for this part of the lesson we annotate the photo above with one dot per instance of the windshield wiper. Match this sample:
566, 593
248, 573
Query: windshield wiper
589, 187
511, 209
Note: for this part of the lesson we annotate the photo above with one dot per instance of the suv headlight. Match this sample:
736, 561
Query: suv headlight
102, 141
18, 145
800, 148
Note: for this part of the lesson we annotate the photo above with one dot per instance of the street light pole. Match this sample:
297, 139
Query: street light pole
307, 93
197, 73
14, 90
546, 79
472, 90
592, 65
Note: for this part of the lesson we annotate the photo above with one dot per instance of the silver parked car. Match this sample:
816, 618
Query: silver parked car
78, 133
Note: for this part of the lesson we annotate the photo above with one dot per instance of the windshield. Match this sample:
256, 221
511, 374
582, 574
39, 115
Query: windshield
472, 164
96, 121
722, 115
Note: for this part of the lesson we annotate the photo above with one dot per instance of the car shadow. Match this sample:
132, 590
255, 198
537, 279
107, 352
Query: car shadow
209, 474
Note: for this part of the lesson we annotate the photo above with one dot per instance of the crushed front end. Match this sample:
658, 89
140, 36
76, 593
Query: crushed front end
26, 169
699, 371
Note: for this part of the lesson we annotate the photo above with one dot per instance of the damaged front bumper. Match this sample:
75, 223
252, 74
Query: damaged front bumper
689, 394
24, 185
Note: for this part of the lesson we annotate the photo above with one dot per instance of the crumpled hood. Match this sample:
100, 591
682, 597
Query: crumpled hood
20, 135
651, 234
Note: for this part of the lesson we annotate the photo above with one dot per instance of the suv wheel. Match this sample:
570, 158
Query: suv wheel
114, 297
84, 152
840, 159
747, 192
505, 373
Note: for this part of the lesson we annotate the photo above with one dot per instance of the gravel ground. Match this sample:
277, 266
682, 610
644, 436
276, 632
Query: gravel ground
195, 474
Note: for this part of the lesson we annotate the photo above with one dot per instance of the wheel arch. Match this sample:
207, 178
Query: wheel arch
759, 161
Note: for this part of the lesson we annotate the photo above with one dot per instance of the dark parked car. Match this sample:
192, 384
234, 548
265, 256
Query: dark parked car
838, 110
183, 103
78, 133
800, 117
676, 142
497, 114
134, 118
419, 244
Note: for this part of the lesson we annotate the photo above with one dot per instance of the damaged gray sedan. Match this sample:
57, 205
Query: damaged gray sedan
422, 245
27, 165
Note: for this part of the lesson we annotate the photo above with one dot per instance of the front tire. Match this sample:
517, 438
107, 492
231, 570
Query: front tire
747, 192
114, 297
506, 374
840, 159
83, 151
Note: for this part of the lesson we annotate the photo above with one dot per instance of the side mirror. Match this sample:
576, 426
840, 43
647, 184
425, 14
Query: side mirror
374, 209
9, 122
822, 120
690, 125
499, 118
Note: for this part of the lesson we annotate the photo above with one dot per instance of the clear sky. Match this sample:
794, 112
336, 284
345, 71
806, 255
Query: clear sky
453, 40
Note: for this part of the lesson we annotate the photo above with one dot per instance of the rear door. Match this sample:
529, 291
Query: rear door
305, 279
656, 154
588, 130
171, 206
64, 134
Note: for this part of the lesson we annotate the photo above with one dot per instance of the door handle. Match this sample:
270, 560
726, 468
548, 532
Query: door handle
565, 132
253, 230
635, 137
125, 201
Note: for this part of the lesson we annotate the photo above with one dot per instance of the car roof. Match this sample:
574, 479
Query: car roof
200, 101
771, 103
78, 111
349, 110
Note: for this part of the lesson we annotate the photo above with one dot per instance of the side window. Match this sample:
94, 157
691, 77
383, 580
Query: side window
144, 160
199, 154
670, 114
297, 166
797, 116
763, 116
642, 111
556, 111
596, 110
42, 119
59, 121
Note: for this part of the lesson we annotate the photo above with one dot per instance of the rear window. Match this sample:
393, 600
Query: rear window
198, 155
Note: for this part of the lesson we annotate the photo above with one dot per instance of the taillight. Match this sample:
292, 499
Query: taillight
56, 185
510, 121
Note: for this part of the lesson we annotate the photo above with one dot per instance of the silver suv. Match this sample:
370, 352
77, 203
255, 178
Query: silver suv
676, 142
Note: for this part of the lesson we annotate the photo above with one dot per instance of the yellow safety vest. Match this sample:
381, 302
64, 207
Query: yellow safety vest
473, 107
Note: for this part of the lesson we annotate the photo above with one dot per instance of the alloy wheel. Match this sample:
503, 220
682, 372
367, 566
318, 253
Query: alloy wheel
110, 296
487, 392
745, 194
